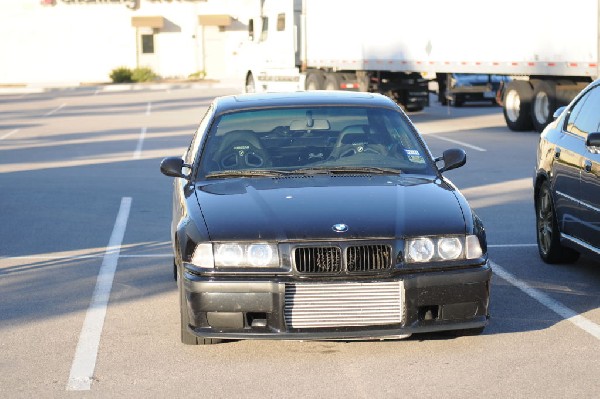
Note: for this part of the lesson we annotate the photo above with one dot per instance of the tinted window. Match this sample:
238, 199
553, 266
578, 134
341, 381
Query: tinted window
251, 29
192, 151
585, 115
287, 139
148, 44
281, 22
265, 29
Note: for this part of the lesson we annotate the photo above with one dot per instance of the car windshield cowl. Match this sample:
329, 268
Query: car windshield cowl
347, 170
338, 170
246, 173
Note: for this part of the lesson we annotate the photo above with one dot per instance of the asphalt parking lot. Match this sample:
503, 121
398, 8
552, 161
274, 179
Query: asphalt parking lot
89, 306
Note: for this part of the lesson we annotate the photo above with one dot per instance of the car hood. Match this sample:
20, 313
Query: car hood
307, 207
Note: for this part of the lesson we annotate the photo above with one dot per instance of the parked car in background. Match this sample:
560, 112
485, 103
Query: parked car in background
567, 181
321, 215
465, 87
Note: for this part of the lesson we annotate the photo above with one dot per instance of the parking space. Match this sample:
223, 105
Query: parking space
65, 171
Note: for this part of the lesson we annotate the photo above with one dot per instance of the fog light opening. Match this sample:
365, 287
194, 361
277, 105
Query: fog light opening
256, 319
427, 313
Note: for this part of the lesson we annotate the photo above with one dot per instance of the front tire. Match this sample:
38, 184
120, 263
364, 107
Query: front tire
548, 233
517, 105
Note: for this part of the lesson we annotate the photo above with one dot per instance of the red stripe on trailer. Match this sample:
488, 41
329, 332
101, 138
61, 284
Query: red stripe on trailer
551, 64
593, 65
573, 64
515, 64
531, 63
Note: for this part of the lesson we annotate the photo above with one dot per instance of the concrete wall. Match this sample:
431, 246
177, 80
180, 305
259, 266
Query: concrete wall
76, 41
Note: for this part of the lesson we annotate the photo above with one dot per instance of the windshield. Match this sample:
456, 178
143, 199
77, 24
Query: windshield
334, 139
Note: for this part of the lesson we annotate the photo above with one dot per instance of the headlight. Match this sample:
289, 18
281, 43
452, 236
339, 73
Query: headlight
228, 255
261, 255
420, 250
236, 255
436, 249
449, 248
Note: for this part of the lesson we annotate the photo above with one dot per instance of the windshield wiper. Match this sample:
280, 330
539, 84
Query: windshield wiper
348, 170
246, 173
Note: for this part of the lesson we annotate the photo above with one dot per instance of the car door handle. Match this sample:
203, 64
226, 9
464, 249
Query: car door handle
587, 165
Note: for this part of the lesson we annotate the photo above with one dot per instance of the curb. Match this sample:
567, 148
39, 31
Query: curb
108, 88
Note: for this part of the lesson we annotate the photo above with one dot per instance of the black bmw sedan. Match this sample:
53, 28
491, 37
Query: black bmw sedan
321, 215
567, 181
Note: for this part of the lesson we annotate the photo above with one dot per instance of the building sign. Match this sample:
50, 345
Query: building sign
132, 4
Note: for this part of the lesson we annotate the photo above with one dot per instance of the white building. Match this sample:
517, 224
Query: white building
82, 41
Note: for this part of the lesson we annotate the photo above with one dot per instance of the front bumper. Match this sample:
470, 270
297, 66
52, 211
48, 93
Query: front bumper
235, 307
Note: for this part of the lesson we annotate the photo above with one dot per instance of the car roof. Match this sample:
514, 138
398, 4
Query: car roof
301, 98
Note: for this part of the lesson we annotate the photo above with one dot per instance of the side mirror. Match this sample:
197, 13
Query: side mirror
173, 167
593, 140
558, 112
453, 158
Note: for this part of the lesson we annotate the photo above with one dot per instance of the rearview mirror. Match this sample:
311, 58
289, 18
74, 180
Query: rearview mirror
558, 112
453, 158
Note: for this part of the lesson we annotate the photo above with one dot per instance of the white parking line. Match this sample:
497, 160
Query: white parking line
148, 108
462, 143
138, 150
55, 110
84, 362
9, 134
568, 314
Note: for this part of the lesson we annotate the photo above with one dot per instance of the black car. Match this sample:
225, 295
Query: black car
464, 87
321, 215
567, 181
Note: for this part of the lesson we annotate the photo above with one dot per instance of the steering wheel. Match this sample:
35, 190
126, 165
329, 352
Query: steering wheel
349, 150
283, 131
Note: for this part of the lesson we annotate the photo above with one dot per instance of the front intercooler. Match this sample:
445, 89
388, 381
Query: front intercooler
327, 305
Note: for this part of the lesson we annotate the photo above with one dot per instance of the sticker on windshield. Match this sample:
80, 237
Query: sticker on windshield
414, 156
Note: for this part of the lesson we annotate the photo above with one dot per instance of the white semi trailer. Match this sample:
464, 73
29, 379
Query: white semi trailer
389, 46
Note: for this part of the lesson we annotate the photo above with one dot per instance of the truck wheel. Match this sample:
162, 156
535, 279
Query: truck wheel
517, 105
332, 82
250, 85
543, 104
314, 80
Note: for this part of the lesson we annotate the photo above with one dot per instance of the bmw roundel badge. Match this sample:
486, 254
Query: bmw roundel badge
340, 228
